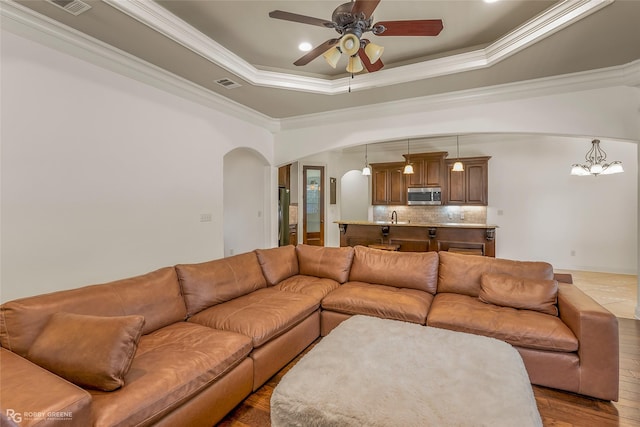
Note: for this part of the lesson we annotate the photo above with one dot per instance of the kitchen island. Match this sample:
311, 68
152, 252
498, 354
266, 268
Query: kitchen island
476, 239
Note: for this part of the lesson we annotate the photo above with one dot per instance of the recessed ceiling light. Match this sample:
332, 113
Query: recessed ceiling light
490, 1
305, 46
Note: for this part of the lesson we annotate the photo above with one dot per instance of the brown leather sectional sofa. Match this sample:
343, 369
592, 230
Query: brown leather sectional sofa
183, 345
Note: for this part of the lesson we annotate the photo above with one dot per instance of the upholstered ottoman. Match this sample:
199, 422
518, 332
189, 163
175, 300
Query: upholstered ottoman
374, 372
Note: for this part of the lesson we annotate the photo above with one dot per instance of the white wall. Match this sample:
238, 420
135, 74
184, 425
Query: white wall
104, 177
543, 213
355, 197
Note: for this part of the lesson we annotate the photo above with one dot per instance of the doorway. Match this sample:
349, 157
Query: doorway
313, 205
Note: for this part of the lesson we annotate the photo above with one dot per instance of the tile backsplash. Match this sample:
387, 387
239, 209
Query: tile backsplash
432, 214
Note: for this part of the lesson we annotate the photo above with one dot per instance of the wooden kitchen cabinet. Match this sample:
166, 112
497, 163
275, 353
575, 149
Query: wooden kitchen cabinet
428, 169
388, 184
470, 187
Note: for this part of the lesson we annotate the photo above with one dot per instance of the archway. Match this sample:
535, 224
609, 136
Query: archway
246, 212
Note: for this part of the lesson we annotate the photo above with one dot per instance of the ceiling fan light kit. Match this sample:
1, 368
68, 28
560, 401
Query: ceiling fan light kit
351, 20
350, 44
332, 56
373, 52
355, 65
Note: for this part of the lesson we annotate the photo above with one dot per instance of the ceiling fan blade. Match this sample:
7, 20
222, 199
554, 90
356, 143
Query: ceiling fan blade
294, 17
365, 6
319, 50
424, 27
367, 64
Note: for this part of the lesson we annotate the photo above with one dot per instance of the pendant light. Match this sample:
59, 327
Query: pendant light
596, 163
408, 168
366, 170
458, 166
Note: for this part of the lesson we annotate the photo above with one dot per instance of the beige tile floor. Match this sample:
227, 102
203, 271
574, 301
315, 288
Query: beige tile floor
617, 292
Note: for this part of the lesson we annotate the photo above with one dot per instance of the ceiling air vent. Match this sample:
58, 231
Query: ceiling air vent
74, 7
229, 84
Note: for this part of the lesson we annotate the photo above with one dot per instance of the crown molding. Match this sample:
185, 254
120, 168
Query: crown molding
626, 75
27, 23
550, 21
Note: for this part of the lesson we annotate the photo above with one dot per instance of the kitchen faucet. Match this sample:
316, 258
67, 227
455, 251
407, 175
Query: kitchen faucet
394, 214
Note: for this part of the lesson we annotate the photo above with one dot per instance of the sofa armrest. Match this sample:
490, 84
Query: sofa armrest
597, 331
31, 395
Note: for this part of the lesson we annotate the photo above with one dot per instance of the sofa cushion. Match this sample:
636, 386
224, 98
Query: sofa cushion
172, 365
316, 287
413, 270
461, 274
29, 388
214, 282
521, 328
327, 262
90, 351
387, 302
278, 264
261, 315
155, 296
528, 294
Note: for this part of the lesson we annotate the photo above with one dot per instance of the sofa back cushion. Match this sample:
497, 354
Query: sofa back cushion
155, 296
413, 270
516, 292
325, 262
213, 282
278, 264
461, 274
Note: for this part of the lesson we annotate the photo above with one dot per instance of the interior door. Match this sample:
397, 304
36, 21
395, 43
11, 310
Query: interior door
313, 205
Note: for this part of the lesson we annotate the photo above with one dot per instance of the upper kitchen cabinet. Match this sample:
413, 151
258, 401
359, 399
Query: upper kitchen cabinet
428, 169
388, 184
469, 187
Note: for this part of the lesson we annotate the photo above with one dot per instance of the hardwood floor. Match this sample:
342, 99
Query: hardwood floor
557, 408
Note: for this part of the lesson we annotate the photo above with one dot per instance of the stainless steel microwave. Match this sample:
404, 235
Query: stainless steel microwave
424, 196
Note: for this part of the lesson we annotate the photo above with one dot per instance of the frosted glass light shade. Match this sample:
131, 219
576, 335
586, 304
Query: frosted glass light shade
578, 170
458, 167
332, 56
366, 171
595, 169
408, 169
373, 52
614, 167
350, 44
354, 65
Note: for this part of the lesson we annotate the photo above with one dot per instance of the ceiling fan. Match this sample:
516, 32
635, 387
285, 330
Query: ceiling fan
352, 20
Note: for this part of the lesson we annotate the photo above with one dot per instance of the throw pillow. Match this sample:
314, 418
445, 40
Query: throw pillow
517, 292
89, 351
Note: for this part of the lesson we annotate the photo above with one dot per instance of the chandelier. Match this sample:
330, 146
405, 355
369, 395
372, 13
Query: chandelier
596, 163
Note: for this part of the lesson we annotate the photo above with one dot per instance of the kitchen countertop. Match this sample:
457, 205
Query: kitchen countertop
419, 224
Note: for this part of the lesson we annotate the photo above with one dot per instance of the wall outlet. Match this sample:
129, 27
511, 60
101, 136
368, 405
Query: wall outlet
461, 215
